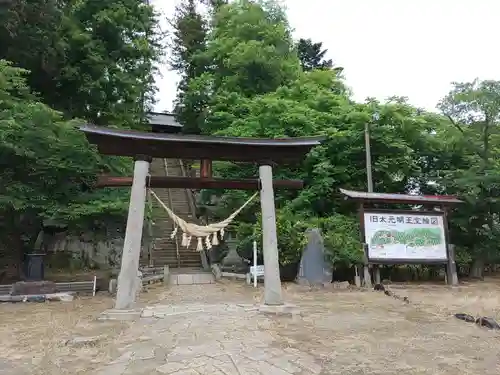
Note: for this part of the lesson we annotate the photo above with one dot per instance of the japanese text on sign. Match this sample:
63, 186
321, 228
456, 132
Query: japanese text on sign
400, 219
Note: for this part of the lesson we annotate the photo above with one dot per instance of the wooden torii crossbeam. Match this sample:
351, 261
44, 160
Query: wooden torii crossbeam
144, 146
198, 183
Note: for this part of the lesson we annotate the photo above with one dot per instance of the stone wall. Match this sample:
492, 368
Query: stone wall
99, 249
87, 250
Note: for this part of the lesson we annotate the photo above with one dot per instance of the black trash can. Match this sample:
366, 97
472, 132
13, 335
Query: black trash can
34, 267
288, 272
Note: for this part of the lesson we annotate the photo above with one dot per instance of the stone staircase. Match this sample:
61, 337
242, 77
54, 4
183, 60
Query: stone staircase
165, 250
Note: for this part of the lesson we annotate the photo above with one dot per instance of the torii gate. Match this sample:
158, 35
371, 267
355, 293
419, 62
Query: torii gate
143, 146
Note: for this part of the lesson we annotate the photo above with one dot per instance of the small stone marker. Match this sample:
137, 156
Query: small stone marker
112, 286
314, 270
216, 271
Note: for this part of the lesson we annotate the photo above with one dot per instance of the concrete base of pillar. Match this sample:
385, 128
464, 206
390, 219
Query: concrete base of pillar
120, 315
280, 310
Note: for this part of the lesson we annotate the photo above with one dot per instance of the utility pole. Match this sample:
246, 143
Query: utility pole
369, 180
369, 177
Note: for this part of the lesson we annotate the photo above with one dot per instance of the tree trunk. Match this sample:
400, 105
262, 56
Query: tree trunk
22, 234
477, 268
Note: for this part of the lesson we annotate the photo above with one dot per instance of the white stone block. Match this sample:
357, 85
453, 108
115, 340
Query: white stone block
203, 278
184, 279
123, 315
173, 279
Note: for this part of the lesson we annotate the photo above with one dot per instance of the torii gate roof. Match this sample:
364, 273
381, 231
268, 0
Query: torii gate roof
112, 141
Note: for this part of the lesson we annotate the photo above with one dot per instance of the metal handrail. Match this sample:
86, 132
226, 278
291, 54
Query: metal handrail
149, 228
192, 207
189, 193
165, 164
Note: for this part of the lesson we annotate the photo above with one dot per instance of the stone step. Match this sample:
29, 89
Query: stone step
171, 257
165, 250
171, 260
172, 253
164, 215
191, 278
195, 256
166, 241
172, 263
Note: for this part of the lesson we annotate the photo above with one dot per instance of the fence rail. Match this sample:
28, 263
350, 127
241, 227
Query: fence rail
74, 287
5, 289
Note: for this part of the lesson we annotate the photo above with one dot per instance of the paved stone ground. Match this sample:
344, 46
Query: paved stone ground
217, 329
208, 339
224, 338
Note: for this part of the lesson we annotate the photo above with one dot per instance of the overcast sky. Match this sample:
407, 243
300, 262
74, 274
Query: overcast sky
412, 48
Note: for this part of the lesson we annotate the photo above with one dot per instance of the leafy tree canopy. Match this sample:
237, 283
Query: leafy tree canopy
48, 168
312, 55
260, 84
89, 59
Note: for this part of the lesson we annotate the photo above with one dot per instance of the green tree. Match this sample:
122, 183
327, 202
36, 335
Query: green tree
188, 42
312, 55
250, 51
242, 100
88, 59
473, 109
214, 4
255, 87
48, 168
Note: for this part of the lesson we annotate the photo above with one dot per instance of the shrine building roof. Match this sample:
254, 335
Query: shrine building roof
438, 200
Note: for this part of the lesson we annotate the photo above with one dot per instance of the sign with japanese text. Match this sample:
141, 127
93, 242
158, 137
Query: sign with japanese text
405, 236
257, 270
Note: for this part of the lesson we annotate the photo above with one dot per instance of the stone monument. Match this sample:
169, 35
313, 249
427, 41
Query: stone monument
314, 269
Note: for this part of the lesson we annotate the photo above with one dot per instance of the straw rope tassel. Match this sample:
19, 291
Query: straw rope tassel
184, 239
208, 243
199, 247
174, 233
215, 239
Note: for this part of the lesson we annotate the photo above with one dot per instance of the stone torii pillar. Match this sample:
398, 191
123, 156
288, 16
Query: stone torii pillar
127, 279
272, 281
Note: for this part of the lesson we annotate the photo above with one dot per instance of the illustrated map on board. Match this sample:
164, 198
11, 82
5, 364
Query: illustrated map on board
408, 236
